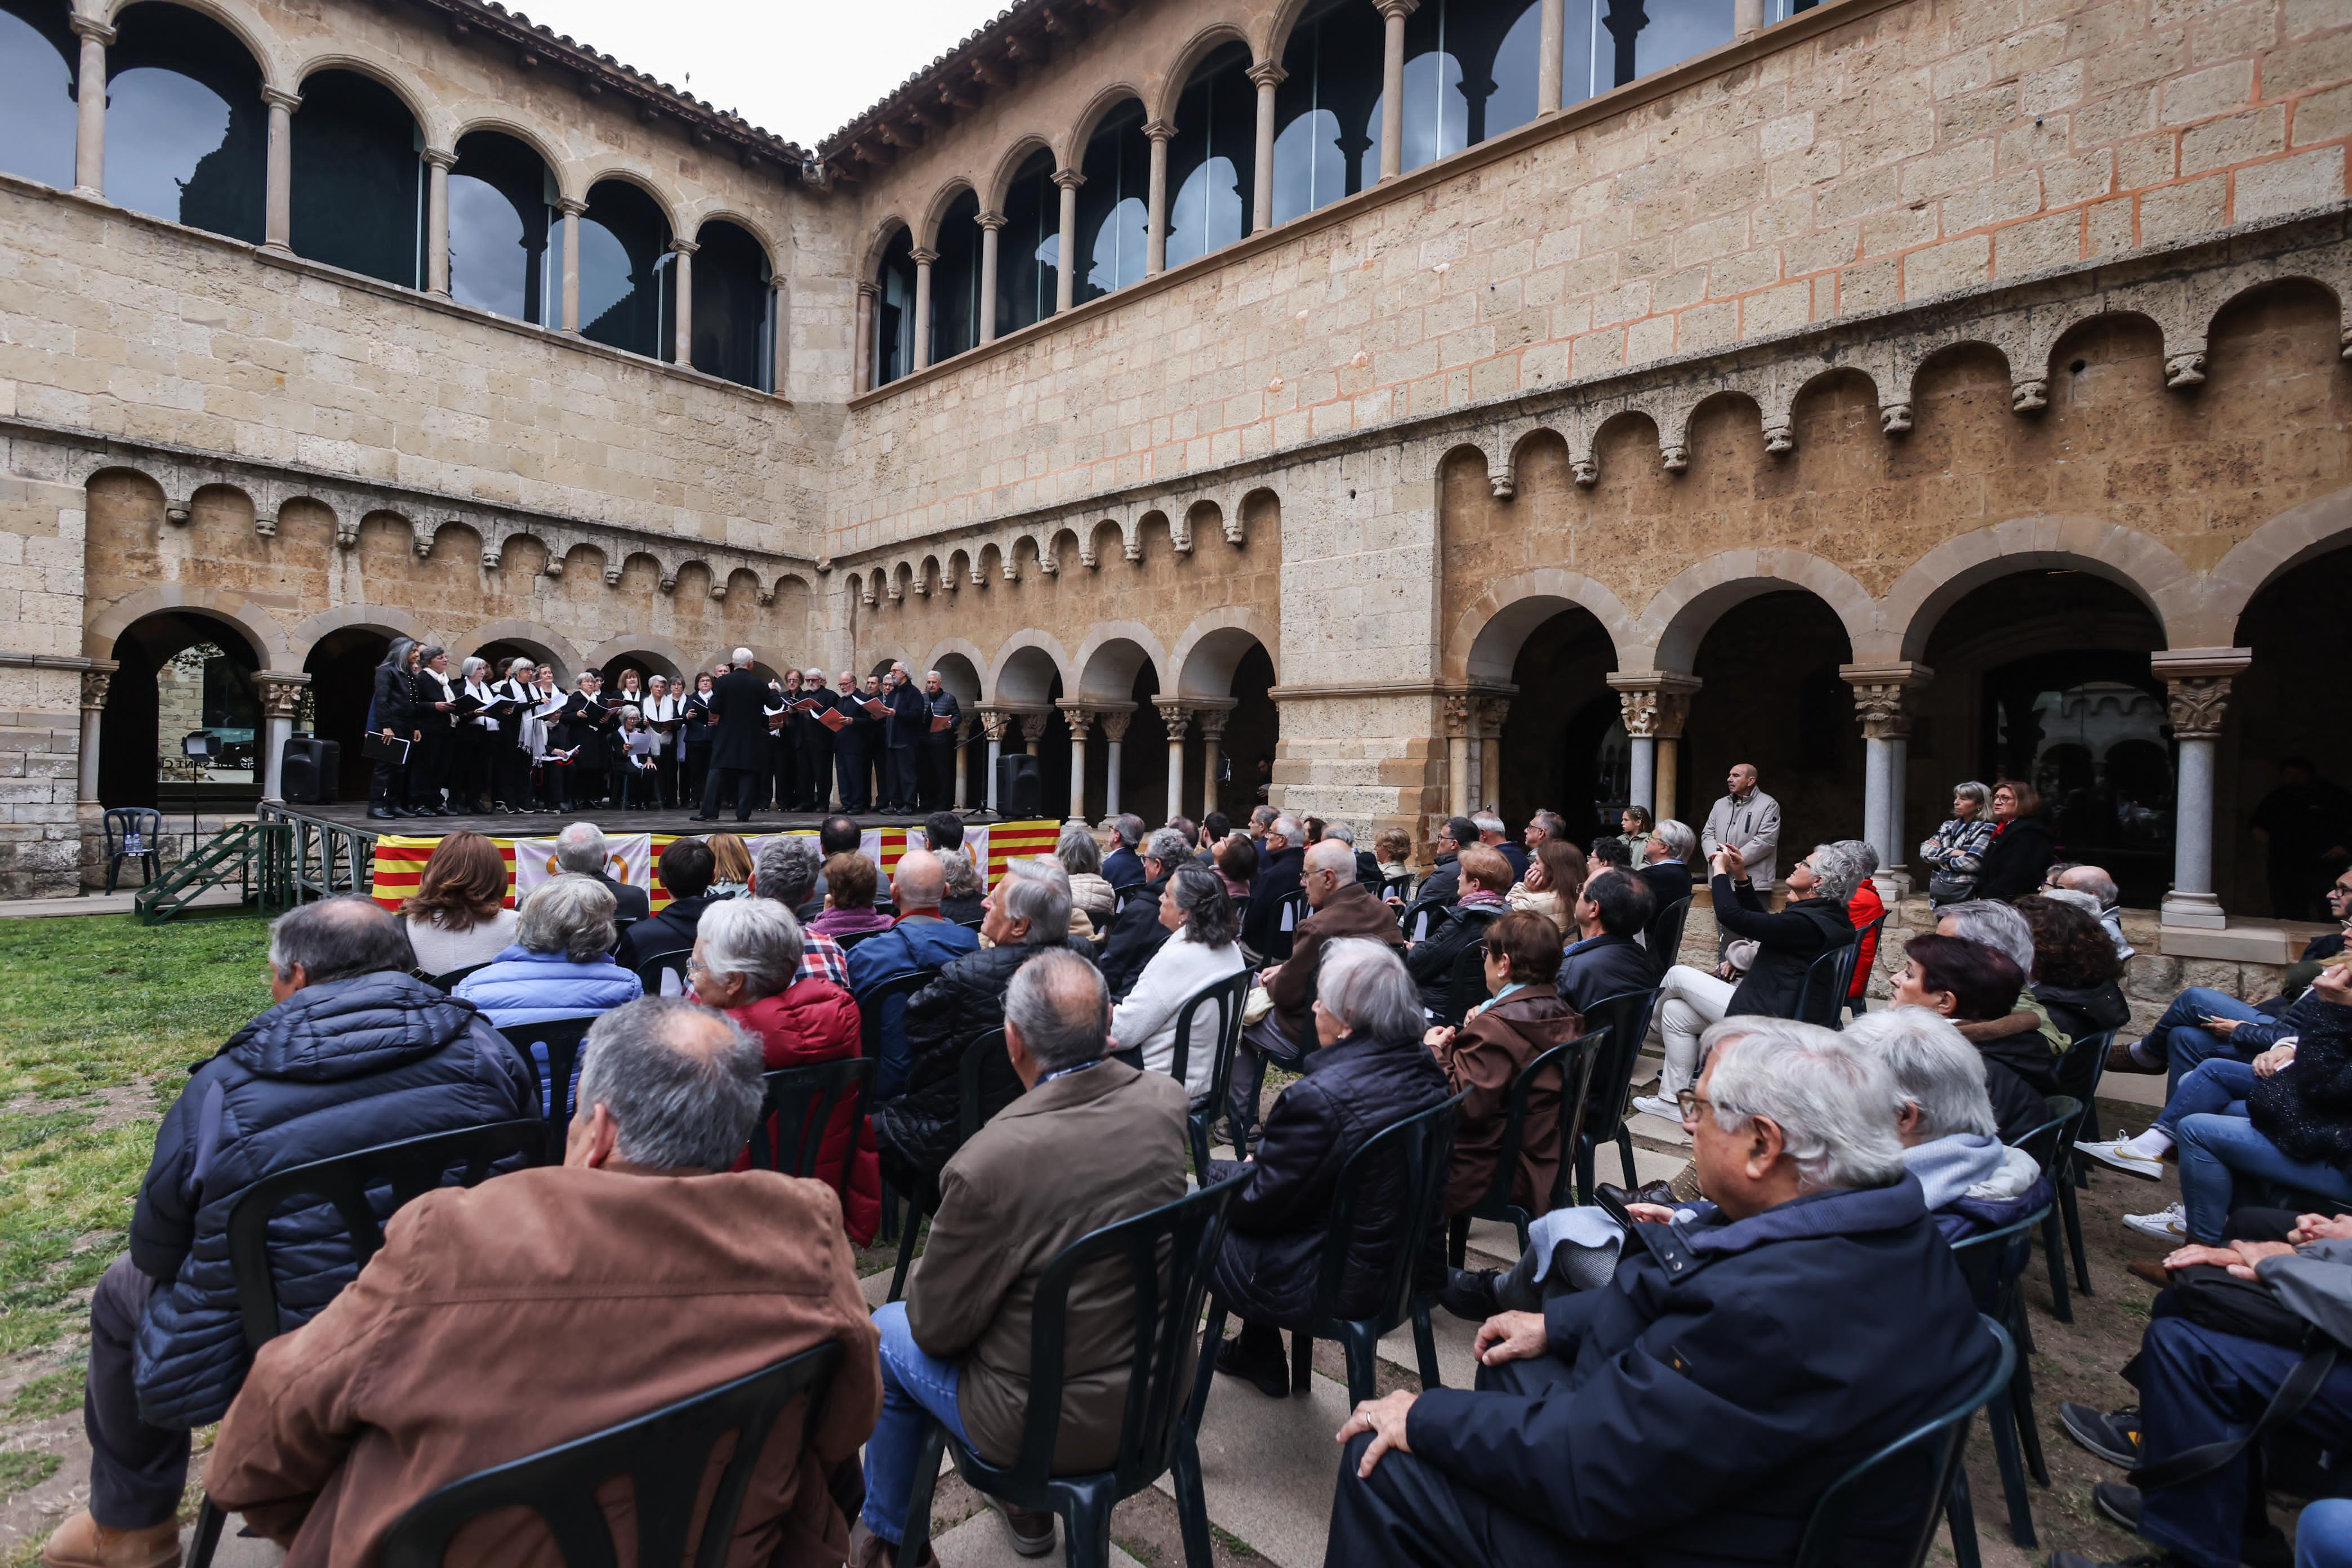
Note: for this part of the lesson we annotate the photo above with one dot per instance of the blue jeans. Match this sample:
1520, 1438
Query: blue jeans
2323, 1537
2182, 1045
2198, 1386
2216, 1150
917, 1387
2218, 1085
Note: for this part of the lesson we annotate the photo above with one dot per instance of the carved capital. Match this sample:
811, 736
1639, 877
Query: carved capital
278, 98
1068, 179
1213, 723
1398, 10
441, 158
1160, 131
611, 576
1114, 723
766, 596
995, 723
178, 514
1639, 712
554, 567
1458, 709
1882, 696
265, 524
571, 206
717, 589
90, 28
1673, 456
1499, 480
1780, 439
683, 247
923, 256
870, 291
1654, 707
1268, 73
2197, 705
668, 581
1175, 716
1078, 717
1587, 472
992, 222
422, 543
489, 558
1492, 711
1032, 728
281, 693
94, 683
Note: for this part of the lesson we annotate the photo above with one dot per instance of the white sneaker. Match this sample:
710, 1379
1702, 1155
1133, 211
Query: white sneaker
2113, 1153
2167, 1224
1652, 1105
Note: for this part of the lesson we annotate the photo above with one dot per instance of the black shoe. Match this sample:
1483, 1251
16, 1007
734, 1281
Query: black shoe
1032, 1534
2117, 1503
1469, 1294
1270, 1375
1657, 1193
383, 813
2113, 1437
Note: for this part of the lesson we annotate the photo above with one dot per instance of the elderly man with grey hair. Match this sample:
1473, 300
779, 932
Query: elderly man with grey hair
1091, 1142
1951, 1140
2091, 889
1731, 1398
1665, 863
351, 1052
1815, 919
490, 1327
1281, 869
582, 849
1027, 913
786, 870
1123, 867
1494, 836
1136, 933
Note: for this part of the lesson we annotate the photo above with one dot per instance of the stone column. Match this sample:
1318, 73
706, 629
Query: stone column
995, 723
1268, 76
1459, 708
1393, 13
1175, 718
281, 694
1550, 37
569, 317
1080, 721
1747, 17
1638, 711
682, 288
1881, 699
438, 162
1032, 732
1492, 711
277, 198
964, 764
89, 114
2197, 681
1066, 275
922, 323
1653, 707
1674, 713
1213, 740
94, 683
991, 223
1114, 722
863, 376
1155, 223
779, 360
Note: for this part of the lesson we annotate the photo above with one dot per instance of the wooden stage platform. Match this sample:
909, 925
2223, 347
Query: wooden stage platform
352, 818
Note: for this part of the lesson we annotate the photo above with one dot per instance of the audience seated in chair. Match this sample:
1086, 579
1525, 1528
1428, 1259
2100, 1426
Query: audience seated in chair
2076, 975
558, 966
1092, 897
1814, 920
851, 881
1691, 1410
1664, 865
354, 1051
686, 870
1235, 859
582, 850
1493, 835
1198, 918
1522, 1018
2202, 1024
747, 963
1862, 909
1091, 1142
1967, 983
1443, 884
920, 939
1028, 913
1136, 932
1123, 866
1281, 866
1485, 877
495, 1322
457, 918
787, 872
1556, 871
1370, 1069
1603, 959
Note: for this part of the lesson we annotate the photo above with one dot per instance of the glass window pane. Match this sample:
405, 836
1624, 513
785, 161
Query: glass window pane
955, 279
1027, 247
1511, 79
1436, 112
1212, 156
38, 54
624, 271
187, 131
731, 301
1326, 110
356, 178
894, 310
1112, 211
500, 225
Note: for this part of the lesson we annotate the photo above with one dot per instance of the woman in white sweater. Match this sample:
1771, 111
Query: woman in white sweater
1196, 908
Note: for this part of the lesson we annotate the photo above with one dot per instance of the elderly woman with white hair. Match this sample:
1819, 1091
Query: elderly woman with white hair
1371, 1070
560, 964
1814, 920
1092, 898
1951, 1142
747, 963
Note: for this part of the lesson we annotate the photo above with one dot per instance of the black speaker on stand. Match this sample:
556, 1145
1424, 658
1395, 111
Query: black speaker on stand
310, 769
1020, 789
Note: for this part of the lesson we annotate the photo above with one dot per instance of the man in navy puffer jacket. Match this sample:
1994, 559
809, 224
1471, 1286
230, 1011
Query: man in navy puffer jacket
354, 1053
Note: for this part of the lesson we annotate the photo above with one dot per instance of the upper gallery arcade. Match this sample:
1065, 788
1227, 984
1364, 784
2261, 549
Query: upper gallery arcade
1524, 402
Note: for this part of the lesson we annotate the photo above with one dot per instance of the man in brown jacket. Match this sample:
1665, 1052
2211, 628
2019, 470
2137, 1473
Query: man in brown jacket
552, 1303
1090, 1143
1343, 907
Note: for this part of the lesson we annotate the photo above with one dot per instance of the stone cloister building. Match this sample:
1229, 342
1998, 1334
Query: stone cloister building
1889, 392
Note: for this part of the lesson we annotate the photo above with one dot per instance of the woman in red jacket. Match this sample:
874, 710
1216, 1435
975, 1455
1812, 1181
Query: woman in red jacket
747, 952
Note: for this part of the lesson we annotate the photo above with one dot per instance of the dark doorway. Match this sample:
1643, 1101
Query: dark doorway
182, 675
2298, 631
1773, 697
1563, 747
1252, 737
341, 667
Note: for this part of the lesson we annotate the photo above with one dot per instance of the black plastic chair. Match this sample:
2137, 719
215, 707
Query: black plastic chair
1944, 1440
665, 1454
1868, 936
2047, 1143
1279, 941
1227, 996
1626, 1017
2080, 1072
1828, 978
977, 1053
1572, 1064
1465, 984
651, 968
127, 825
1167, 1252
449, 983
854, 937
1121, 893
1423, 1143
1994, 1266
553, 1049
1417, 920
802, 1102
1663, 937
410, 1167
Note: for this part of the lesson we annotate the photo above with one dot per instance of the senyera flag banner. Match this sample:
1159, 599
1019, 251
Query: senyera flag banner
633, 856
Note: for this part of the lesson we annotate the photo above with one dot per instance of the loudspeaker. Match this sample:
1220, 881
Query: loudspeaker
1020, 792
309, 769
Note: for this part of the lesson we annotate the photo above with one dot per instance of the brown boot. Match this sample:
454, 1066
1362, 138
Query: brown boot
867, 1550
2120, 1060
82, 1543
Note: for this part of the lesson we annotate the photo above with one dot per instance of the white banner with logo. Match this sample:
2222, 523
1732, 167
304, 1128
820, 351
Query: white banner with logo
630, 861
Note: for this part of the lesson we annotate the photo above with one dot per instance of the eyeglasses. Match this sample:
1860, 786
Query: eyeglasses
1690, 1102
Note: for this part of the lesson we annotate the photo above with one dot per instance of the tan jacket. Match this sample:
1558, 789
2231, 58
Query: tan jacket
1486, 1056
535, 1308
1352, 912
1068, 1157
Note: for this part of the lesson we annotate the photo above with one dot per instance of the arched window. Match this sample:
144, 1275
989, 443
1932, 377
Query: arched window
1326, 136
38, 58
625, 297
1113, 217
734, 327
1651, 38
1213, 158
1028, 250
894, 310
955, 279
501, 220
358, 194
187, 136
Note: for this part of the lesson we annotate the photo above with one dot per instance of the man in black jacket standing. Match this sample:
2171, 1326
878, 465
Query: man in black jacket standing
854, 748
903, 739
739, 751
938, 747
815, 761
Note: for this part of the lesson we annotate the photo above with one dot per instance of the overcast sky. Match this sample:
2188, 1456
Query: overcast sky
801, 69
